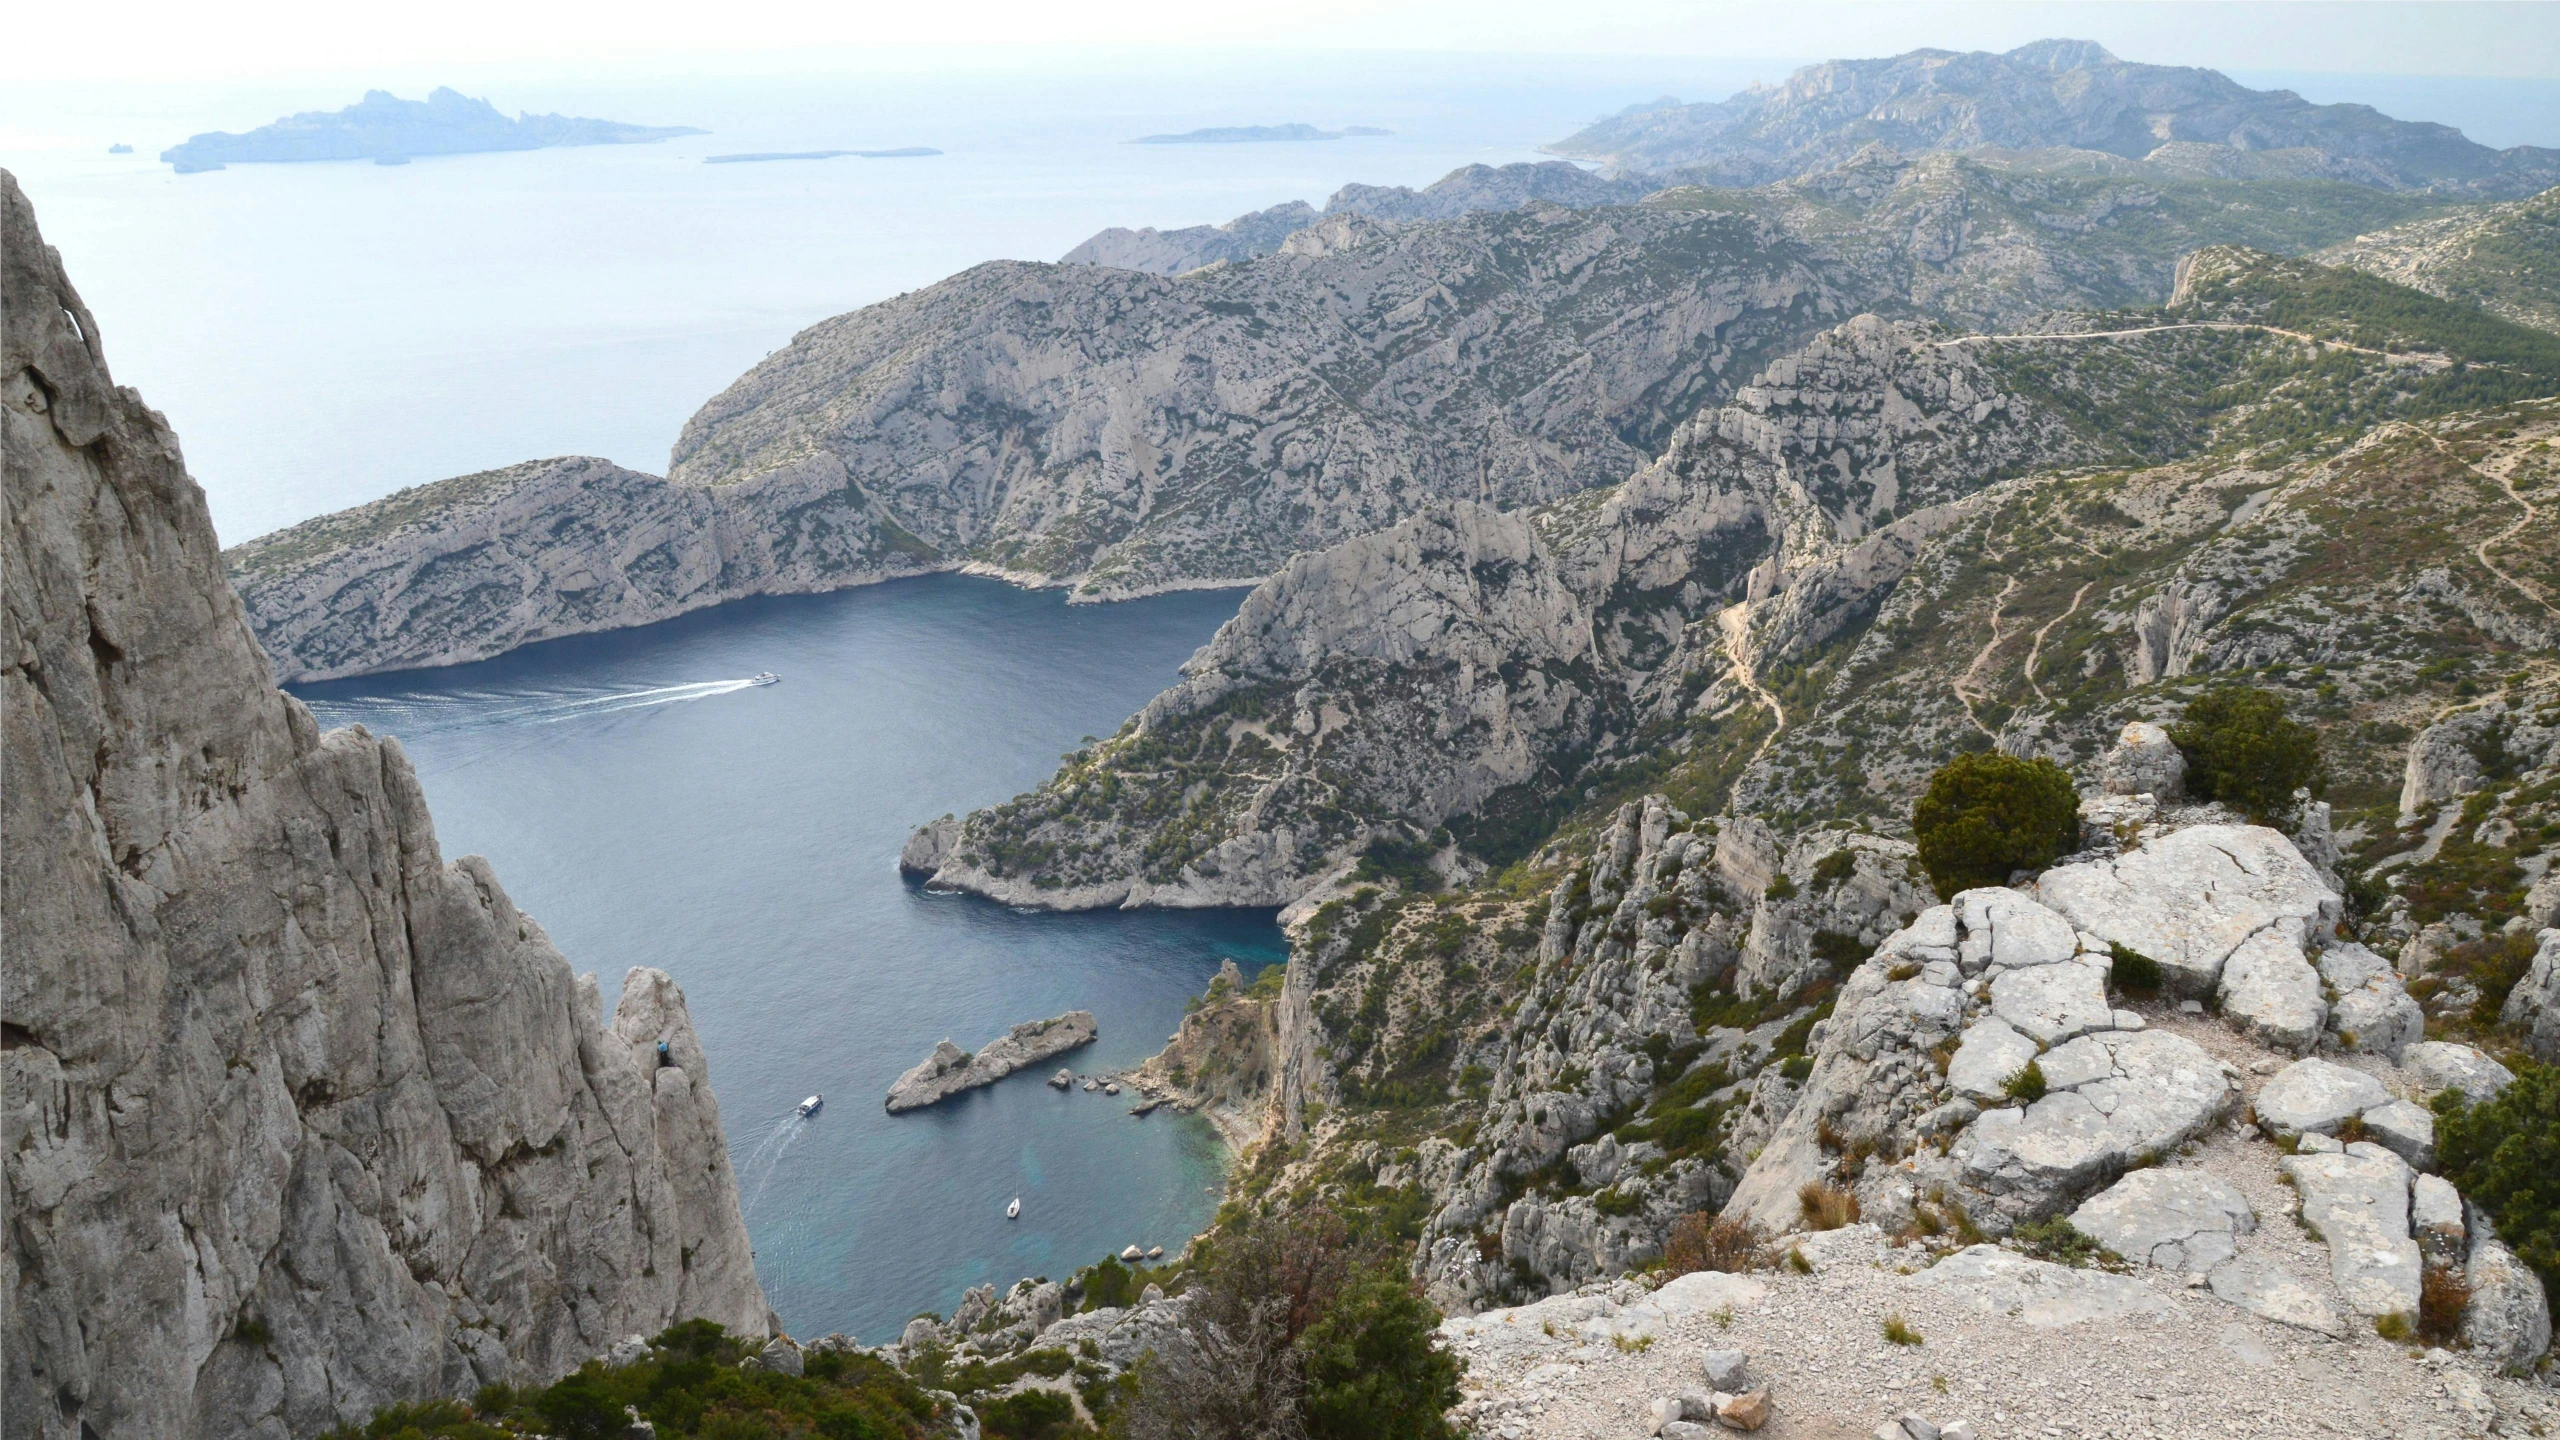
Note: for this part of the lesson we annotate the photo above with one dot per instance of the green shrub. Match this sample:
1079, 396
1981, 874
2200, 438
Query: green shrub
2131, 971
1029, 1415
2242, 751
2063, 1243
2505, 1155
1898, 1331
1373, 1369
1988, 814
2027, 1085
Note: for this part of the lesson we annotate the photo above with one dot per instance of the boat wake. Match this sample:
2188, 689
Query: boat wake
756, 1171
437, 712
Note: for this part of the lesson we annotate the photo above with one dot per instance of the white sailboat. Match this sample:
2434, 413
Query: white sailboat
1014, 1210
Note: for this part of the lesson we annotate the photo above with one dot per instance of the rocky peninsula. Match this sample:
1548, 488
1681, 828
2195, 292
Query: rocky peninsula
949, 1070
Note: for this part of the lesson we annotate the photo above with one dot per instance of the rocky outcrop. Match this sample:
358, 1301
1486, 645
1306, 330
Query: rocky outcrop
304, 1120
1488, 187
2050, 95
1171, 252
2533, 1007
950, 1070
2493, 256
387, 130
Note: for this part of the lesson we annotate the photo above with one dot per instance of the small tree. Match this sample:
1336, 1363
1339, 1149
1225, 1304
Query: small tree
2504, 1154
1372, 1369
1985, 815
2242, 751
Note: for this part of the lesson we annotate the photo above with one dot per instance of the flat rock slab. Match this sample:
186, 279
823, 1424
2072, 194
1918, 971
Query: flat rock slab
2131, 1096
2189, 899
2038, 1293
2265, 1290
950, 1070
1992, 1052
2185, 1220
2271, 994
2053, 1003
2378, 1017
2011, 930
2316, 1096
2358, 1203
2442, 1065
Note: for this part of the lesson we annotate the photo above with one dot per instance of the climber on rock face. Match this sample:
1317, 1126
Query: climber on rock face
663, 1059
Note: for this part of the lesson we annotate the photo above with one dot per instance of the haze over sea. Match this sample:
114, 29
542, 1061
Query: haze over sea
323, 334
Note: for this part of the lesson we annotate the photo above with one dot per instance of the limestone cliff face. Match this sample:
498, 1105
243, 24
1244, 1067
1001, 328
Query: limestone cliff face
1444, 670
301, 1119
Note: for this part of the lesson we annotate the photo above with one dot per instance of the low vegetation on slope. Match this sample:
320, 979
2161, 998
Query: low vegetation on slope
2503, 258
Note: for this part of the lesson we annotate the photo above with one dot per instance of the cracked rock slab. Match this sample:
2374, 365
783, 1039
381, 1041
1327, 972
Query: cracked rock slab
2406, 1130
2185, 1220
2053, 1003
2189, 899
1991, 1054
2271, 994
2316, 1097
2441, 1065
2038, 1293
2267, 1291
2358, 1203
2131, 1096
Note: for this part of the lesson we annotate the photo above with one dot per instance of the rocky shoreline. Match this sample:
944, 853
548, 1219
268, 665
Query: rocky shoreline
950, 1070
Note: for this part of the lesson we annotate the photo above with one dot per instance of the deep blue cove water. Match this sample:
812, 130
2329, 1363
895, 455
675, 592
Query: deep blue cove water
650, 809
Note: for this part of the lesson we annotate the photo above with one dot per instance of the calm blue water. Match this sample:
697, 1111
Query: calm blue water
650, 810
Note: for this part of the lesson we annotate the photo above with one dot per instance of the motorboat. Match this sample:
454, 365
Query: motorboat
1014, 1210
765, 677
810, 1106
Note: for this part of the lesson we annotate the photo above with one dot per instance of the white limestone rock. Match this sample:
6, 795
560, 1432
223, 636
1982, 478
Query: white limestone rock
2010, 930
2038, 1293
2508, 1324
2316, 1096
2188, 1220
2053, 1003
949, 1070
271, 1057
2442, 1065
2144, 762
2358, 1203
1990, 1056
2406, 1130
2271, 994
2435, 1216
2534, 1005
2267, 1290
2189, 899
2113, 1099
2378, 1017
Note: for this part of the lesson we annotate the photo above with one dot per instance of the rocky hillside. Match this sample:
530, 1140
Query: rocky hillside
1770, 612
305, 1119
2503, 258
1125, 432
2053, 94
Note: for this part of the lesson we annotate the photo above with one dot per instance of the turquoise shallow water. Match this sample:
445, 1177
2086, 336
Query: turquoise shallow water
649, 809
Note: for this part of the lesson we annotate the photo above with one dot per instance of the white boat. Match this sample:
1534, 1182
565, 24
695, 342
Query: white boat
810, 1105
1014, 1210
765, 677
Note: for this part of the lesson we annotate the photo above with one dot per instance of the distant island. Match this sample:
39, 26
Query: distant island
388, 130
1257, 134
909, 152
119, 148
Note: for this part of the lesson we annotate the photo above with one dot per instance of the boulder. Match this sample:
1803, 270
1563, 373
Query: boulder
1747, 1411
2054, 1002
2112, 1099
2316, 1096
2010, 930
2186, 1220
1724, 1368
780, 1356
2377, 1017
2509, 1321
629, 1350
2144, 762
2406, 1130
2534, 1005
2358, 1203
1990, 1054
2442, 1065
2189, 899
2435, 1217
2271, 994
2269, 1292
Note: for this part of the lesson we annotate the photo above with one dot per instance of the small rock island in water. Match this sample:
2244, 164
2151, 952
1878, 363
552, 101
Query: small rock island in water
388, 130
949, 1069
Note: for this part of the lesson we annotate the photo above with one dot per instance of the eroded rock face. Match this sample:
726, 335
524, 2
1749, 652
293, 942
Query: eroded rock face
306, 1119
2534, 1005
2145, 762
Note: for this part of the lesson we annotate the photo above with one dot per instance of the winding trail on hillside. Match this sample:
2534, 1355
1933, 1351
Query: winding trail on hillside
2506, 484
2308, 339
2035, 652
1966, 685
1735, 623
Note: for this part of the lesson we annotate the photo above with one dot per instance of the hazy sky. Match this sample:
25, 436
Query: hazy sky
191, 40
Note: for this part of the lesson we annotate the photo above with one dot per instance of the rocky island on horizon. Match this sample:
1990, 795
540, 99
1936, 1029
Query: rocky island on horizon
1258, 134
388, 130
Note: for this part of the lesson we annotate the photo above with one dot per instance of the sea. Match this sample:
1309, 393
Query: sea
323, 334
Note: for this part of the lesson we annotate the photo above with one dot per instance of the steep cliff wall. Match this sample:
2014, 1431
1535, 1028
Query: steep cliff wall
300, 1118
